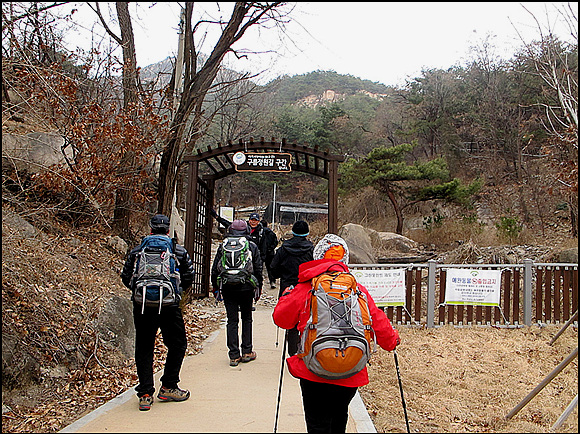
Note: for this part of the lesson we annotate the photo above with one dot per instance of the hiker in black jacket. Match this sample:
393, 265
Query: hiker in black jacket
284, 265
149, 319
270, 244
238, 298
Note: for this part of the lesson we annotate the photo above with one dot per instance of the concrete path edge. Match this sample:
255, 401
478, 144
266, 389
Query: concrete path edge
357, 409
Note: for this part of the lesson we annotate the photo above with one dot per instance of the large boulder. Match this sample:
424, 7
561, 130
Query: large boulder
118, 244
389, 242
568, 256
19, 225
359, 244
34, 152
19, 368
115, 325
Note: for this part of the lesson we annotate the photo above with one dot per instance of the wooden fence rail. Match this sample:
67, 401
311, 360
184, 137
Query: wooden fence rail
540, 293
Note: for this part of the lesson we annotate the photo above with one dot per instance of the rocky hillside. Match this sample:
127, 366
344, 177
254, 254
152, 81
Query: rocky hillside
67, 330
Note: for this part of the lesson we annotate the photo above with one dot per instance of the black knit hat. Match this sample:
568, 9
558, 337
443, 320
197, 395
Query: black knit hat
300, 228
159, 224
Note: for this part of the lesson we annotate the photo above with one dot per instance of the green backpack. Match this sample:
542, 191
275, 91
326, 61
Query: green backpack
235, 266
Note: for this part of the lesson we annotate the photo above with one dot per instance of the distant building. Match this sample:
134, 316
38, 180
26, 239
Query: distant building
287, 213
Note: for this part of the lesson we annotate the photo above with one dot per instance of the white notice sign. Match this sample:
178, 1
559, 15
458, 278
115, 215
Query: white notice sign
472, 287
226, 212
386, 287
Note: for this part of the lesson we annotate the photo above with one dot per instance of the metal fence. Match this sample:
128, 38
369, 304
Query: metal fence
530, 293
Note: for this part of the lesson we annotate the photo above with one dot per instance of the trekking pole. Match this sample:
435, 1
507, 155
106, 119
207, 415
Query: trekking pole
401, 389
280, 385
277, 330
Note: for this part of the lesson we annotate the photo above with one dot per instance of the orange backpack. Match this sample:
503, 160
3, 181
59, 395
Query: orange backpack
338, 338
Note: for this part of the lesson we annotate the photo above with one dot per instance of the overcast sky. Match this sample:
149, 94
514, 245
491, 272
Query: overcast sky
385, 42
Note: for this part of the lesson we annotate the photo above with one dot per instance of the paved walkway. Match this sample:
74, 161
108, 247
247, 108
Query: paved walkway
223, 398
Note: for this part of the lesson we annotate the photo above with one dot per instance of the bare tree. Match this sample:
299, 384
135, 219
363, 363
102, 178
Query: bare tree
131, 84
556, 63
190, 121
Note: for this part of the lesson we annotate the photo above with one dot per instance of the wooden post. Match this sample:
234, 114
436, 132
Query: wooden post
566, 413
190, 206
528, 265
333, 197
543, 384
432, 271
564, 327
207, 242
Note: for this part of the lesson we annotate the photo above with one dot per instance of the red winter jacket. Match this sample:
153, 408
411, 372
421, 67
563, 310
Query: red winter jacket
294, 308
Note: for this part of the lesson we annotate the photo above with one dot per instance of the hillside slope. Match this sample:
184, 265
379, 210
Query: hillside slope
61, 299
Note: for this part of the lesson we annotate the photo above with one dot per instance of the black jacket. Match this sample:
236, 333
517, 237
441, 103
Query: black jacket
185, 267
256, 262
265, 239
288, 258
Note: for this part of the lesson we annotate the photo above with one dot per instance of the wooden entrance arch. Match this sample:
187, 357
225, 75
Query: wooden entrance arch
213, 164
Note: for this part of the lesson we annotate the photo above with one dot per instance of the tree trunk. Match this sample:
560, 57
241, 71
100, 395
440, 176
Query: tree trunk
196, 84
122, 212
398, 212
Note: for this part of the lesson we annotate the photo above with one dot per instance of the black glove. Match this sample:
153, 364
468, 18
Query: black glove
213, 213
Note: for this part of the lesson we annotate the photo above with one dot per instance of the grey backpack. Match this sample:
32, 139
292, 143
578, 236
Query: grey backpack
156, 276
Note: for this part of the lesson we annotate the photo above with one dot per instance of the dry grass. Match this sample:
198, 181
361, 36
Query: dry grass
469, 379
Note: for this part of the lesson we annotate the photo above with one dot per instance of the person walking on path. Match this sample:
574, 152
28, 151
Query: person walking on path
284, 266
270, 245
264, 237
149, 319
238, 297
326, 401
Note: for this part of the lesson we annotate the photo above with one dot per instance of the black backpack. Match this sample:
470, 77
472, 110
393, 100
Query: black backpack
156, 278
235, 266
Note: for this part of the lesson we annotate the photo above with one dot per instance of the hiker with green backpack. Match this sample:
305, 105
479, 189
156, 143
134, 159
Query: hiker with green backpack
339, 326
236, 275
158, 271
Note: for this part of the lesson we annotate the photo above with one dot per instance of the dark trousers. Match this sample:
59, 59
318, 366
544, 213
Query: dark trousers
238, 303
170, 321
325, 406
267, 262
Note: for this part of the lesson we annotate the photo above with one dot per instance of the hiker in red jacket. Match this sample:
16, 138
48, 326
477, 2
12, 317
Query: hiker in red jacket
326, 401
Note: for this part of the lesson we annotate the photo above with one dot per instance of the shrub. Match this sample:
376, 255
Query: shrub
509, 228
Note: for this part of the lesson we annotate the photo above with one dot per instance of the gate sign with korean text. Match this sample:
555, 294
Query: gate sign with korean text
472, 287
262, 162
386, 287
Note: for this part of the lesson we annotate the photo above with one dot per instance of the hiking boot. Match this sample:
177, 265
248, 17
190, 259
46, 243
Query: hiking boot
176, 394
145, 402
235, 362
249, 357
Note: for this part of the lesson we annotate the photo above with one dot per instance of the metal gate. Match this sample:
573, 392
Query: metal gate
200, 247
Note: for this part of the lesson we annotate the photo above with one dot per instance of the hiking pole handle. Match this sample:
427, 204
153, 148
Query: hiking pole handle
401, 389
